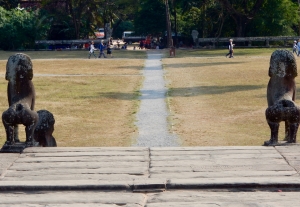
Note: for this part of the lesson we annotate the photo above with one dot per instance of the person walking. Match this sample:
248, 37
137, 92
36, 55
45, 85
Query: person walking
295, 47
109, 51
118, 43
230, 47
298, 47
91, 50
101, 48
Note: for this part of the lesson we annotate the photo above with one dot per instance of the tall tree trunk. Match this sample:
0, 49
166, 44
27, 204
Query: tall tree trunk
76, 16
241, 24
168, 22
175, 24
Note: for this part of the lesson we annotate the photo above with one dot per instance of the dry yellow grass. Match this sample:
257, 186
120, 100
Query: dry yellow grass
218, 101
96, 108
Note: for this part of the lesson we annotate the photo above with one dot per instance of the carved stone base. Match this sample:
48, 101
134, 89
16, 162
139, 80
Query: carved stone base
17, 147
280, 143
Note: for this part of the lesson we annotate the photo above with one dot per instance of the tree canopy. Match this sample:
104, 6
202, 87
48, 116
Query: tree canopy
22, 22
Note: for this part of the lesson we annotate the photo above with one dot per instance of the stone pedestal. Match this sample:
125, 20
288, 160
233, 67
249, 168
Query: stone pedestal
17, 147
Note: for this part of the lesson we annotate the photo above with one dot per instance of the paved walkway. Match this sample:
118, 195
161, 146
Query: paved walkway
152, 177
153, 113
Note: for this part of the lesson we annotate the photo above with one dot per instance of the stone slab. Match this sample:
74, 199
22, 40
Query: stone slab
194, 156
223, 199
73, 176
71, 198
222, 174
78, 165
87, 154
180, 198
214, 148
67, 171
213, 152
139, 168
85, 149
6, 161
77, 158
220, 168
228, 162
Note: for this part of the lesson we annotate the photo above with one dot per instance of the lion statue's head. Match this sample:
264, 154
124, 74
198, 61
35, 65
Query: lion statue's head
283, 64
19, 66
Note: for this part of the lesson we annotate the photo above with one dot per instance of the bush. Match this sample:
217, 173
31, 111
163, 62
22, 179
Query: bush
19, 28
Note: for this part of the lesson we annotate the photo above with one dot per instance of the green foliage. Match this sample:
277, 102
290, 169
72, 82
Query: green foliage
151, 18
279, 17
123, 26
225, 18
80, 18
74, 19
205, 16
20, 28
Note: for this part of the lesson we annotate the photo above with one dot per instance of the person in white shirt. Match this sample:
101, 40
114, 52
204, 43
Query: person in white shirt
230, 47
92, 49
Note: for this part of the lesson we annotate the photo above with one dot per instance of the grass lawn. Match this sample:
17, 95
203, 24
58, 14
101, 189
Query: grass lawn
93, 101
217, 101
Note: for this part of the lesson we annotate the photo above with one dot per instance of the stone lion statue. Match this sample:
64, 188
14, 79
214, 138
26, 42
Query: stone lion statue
39, 126
44, 129
21, 99
281, 92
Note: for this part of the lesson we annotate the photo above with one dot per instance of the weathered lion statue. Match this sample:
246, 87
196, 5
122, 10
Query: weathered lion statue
21, 99
281, 96
44, 129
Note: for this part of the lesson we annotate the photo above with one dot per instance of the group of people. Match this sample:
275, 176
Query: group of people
102, 48
296, 48
144, 44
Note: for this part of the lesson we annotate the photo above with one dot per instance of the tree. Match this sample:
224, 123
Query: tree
278, 17
150, 18
80, 18
168, 23
123, 26
206, 16
116, 12
242, 12
19, 28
